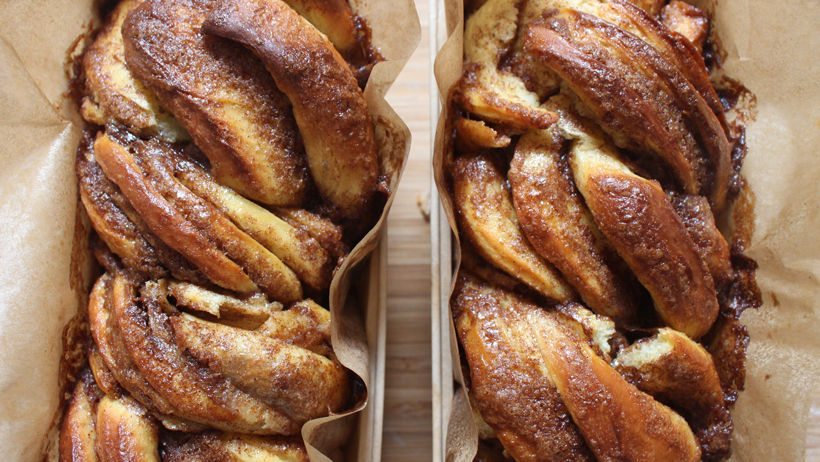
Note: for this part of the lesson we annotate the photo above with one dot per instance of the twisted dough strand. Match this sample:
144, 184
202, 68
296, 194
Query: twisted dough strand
327, 102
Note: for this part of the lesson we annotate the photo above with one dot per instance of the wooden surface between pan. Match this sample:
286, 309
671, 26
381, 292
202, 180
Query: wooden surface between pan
408, 413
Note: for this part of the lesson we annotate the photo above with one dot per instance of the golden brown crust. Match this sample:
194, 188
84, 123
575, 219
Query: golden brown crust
617, 420
515, 397
651, 7
248, 312
638, 96
681, 374
284, 375
112, 347
329, 235
335, 19
635, 17
676, 49
727, 343
305, 324
485, 90
113, 94
120, 226
229, 104
488, 221
102, 374
475, 134
193, 392
472, 263
262, 267
243, 231
98, 427
78, 436
328, 105
541, 348
125, 432
475, 97
688, 21
640, 223
696, 215
164, 220
190, 224
99, 197
300, 252
558, 224
231, 447
266, 381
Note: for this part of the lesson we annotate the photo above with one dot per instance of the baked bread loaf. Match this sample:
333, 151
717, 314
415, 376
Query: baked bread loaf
225, 184
98, 426
595, 175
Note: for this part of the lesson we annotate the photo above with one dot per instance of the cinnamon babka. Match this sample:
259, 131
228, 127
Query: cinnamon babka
229, 165
595, 175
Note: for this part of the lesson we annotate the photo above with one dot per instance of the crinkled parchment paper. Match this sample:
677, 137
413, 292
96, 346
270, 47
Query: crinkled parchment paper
773, 50
39, 291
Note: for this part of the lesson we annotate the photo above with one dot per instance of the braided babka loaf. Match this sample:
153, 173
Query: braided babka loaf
603, 219
229, 165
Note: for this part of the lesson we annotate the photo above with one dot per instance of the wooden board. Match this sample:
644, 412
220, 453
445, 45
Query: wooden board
407, 399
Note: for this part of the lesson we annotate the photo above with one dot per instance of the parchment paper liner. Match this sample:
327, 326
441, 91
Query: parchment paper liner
772, 49
38, 204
